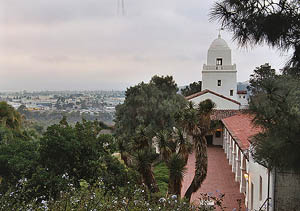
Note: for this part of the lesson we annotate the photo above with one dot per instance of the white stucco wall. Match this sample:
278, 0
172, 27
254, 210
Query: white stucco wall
240, 166
213, 54
218, 140
256, 171
228, 82
242, 98
221, 103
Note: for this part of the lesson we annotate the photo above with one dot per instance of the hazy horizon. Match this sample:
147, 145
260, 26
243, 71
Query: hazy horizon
87, 45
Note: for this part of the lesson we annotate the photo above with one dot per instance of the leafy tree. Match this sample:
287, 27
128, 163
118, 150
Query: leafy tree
151, 105
276, 109
18, 160
18, 153
260, 77
6, 135
148, 109
63, 157
167, 84
12, 125
38, 128
192, 88
276, 23
9, 117
78, 152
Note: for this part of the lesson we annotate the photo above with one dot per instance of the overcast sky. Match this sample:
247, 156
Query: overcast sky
88, 45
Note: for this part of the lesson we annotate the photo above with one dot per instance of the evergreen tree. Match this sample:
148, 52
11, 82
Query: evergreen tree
276, 109
260, 77
192, 88
276, 23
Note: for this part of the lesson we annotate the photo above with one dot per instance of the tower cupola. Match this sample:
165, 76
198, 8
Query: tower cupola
219, 53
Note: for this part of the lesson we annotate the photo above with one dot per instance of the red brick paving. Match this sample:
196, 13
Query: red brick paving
219, 178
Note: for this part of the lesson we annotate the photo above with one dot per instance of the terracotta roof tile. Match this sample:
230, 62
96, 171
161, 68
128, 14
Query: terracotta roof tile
241, 128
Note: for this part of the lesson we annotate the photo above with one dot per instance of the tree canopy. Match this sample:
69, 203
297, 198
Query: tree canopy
64, 155
260, 77
151, 105
148, 109
276, 108
9, 117
192, 88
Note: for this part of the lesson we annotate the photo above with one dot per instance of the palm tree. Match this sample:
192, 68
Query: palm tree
184, 146
164, 144
188, 119
176, 165
137, 152
123, 143
174, 150
198, 125
143, 160
142, 139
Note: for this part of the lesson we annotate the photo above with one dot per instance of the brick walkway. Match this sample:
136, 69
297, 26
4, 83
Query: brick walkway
219, 178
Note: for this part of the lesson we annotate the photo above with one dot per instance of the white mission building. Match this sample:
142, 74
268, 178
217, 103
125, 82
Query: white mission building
219, 79
263, 189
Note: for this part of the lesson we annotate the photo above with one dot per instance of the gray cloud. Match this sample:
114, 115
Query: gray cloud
85, 44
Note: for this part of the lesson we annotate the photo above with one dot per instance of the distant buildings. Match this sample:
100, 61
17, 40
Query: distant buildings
84, 102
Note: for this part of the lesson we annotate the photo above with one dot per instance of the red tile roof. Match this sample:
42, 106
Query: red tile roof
214, 93
241, 128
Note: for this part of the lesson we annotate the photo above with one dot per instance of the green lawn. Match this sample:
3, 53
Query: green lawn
161, 174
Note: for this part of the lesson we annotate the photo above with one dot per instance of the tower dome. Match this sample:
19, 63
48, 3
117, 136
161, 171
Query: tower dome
219, 44
219, 51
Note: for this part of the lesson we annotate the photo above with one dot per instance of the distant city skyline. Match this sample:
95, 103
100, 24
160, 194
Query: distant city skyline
90, 45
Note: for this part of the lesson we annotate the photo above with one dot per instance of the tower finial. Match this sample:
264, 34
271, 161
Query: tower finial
220, 29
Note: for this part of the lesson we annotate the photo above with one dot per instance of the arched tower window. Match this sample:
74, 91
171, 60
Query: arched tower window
219, 61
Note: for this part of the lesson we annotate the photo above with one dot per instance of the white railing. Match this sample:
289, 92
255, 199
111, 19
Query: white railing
219, 67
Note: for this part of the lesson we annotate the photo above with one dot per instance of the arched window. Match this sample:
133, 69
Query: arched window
219, 61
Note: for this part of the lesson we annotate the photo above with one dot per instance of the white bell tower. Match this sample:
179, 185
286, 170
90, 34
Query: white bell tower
219, 74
